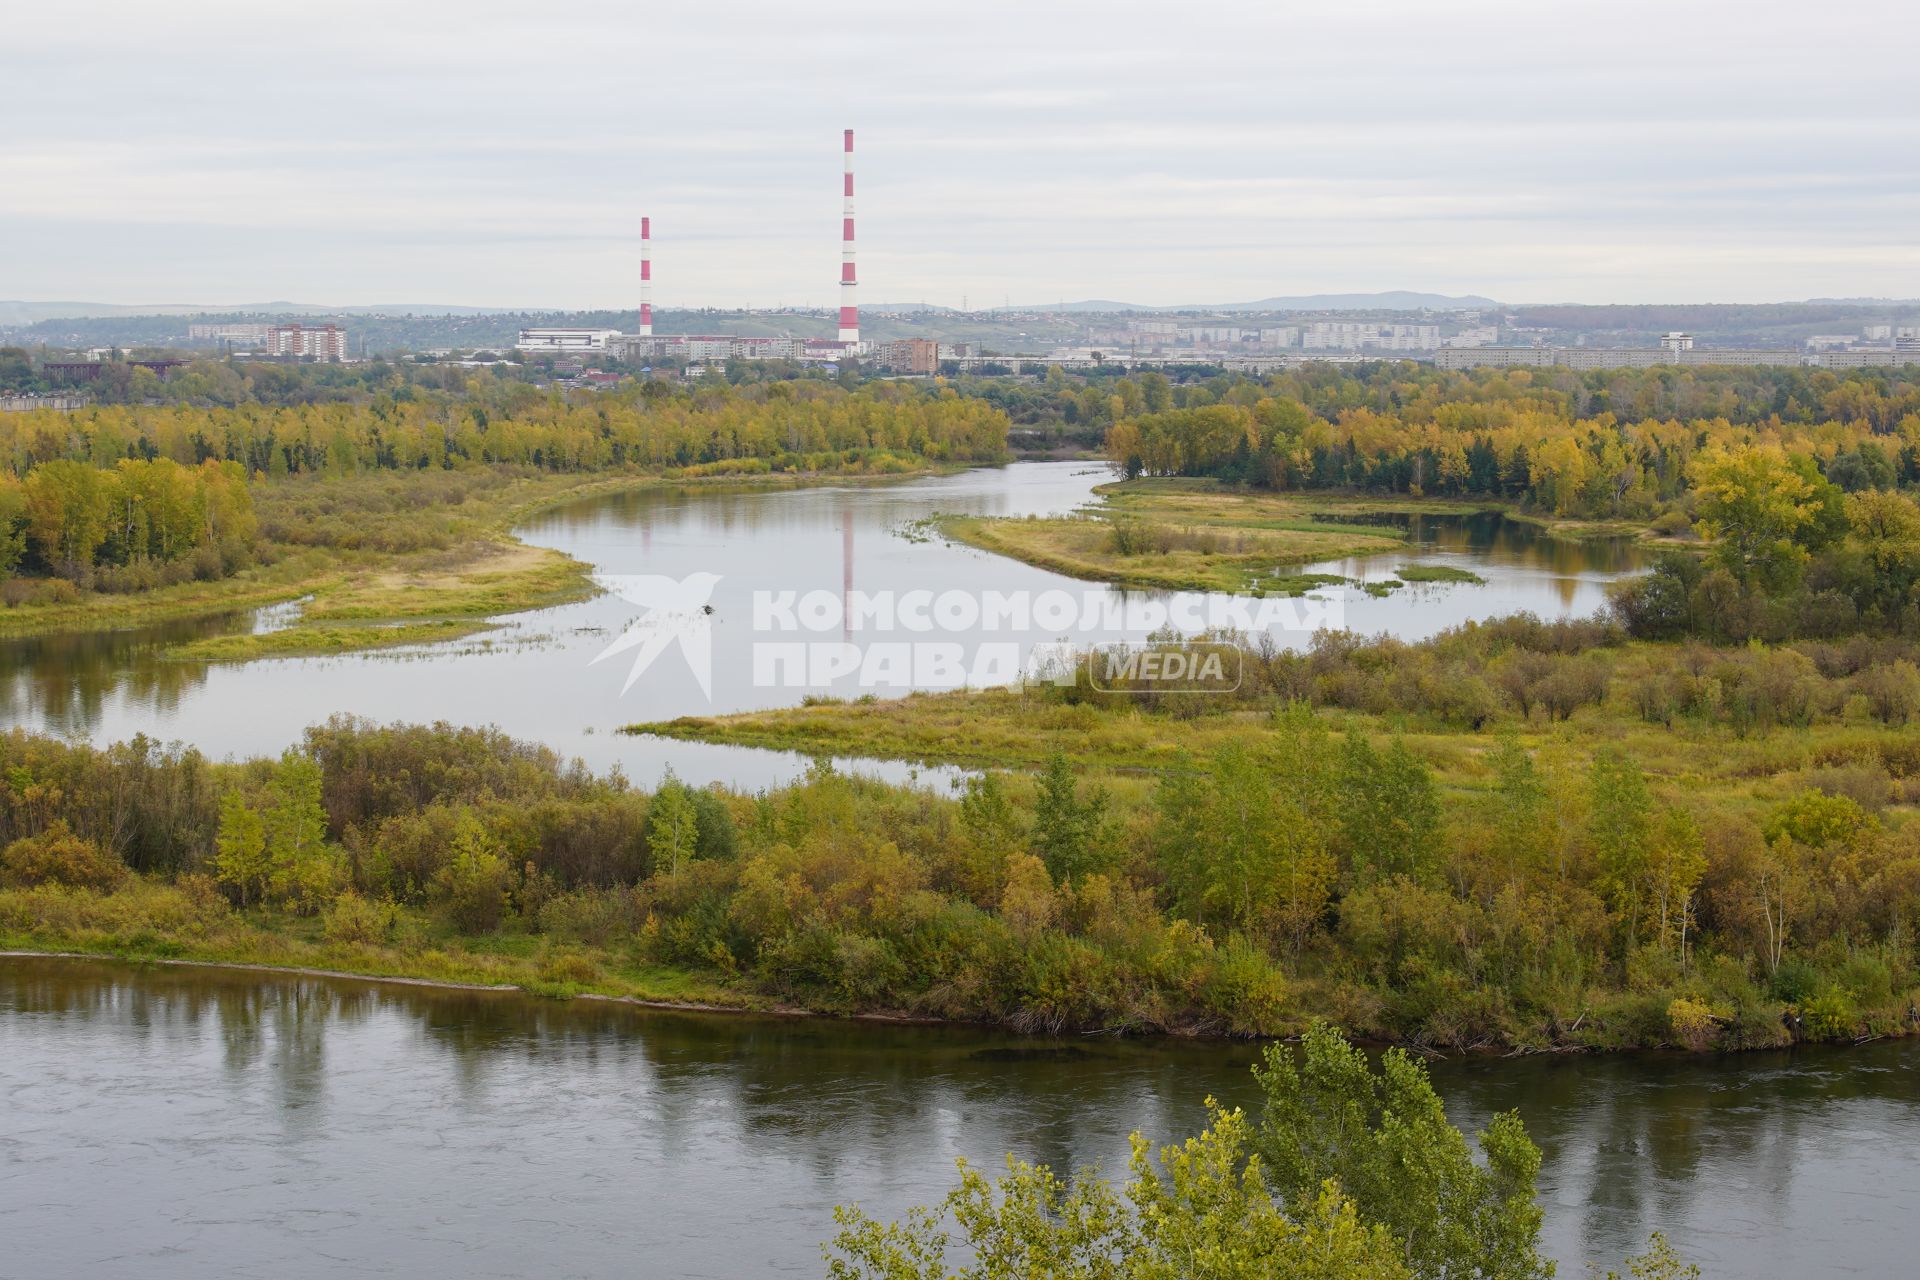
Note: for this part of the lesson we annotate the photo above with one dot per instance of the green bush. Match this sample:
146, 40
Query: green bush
1831, 1015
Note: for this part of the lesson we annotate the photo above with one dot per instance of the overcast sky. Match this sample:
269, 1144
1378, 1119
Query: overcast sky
502, 154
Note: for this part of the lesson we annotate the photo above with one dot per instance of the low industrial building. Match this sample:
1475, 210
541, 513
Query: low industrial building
565, 341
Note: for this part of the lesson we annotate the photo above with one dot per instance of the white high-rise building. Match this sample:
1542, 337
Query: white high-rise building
307, 342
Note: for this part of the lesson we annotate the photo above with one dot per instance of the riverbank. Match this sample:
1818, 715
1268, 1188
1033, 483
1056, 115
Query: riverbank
388, 560
178, 928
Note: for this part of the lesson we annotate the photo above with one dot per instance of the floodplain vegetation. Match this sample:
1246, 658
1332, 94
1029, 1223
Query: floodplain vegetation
395, 507
1142, 549
1441, 842
1690, 823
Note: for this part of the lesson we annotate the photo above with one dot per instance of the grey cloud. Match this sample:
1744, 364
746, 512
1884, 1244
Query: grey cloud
495, 153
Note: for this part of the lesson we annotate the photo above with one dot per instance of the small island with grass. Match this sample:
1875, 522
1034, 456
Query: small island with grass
1203, 535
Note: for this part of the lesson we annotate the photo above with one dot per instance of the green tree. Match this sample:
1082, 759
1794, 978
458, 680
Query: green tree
1522, 815
241, 859
1389, 810
1384, 1140
673, 826
1066, 827
1204, 1212
1620, 832
1180, 846
1659, 1262
994, 832
473, 884
303, 870
1883, 530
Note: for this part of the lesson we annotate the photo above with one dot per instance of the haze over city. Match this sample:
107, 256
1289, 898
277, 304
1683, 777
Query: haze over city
499, 155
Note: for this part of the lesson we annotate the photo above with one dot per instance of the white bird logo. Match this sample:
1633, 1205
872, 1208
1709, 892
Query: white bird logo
677, 609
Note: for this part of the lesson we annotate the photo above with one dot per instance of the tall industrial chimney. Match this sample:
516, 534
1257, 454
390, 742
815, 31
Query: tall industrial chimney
646, 277
849, 311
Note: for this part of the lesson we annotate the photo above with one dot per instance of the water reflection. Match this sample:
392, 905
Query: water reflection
194, 1122
67, 682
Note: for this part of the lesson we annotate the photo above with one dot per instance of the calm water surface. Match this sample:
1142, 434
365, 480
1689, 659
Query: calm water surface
536, 677
195, 1123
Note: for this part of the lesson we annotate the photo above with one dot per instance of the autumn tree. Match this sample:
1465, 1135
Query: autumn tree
1758, 508
68, 507
13, 525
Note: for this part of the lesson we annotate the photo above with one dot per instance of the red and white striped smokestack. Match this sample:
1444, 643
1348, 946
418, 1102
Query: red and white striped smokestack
849, 310
646, 277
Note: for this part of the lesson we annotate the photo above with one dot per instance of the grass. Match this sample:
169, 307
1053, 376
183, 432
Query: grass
251, 589
1010, 728
320, 640
1200, 535
1439, 573
1209, 557
1198, 500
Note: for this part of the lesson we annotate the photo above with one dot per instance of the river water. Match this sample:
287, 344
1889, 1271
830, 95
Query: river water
199, 1123
537, 677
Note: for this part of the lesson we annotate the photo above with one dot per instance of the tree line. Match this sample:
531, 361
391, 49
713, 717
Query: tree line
140, 522
131, 496
781, 426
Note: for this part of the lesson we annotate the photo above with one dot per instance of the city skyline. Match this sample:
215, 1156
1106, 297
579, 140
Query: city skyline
481, 156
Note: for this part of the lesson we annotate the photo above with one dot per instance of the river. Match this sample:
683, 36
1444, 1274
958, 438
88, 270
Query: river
199, 1123
536, 677
192, 1122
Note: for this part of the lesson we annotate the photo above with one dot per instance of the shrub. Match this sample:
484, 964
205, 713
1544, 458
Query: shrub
1831, 1015
570, 968
57, 856
357, 920
1245, 988
593, 916
1670, 523
1793, 981
1693, 1022
473, 888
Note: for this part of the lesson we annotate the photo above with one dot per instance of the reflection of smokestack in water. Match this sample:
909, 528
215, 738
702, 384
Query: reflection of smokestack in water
849, 311
846, 575
646, 277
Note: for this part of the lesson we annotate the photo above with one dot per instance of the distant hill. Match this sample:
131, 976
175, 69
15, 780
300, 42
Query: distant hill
24, 313
1394, 300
